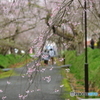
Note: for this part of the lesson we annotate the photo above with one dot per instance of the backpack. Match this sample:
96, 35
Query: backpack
51, 53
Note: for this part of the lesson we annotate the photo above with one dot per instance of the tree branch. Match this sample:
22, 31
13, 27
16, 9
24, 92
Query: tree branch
59, 32
9, 44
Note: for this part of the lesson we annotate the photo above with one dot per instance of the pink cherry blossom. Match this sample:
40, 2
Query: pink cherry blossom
61, 85
20, 96
8, 82
4, 97
24, 96
32, 91
38, 89
56, 90
27, 91
1, 91
51, 68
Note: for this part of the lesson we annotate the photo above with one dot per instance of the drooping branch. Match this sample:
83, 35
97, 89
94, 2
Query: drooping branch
60, 33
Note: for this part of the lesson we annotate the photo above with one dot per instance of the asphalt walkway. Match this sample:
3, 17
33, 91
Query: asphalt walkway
43, 84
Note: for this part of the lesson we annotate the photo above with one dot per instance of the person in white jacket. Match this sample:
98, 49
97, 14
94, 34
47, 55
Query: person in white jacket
52, 55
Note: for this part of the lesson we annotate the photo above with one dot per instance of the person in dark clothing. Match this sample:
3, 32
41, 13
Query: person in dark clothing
92, 43
45, 57
98, 43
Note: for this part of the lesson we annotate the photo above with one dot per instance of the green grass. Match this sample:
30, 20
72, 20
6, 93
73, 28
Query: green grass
8, 60
78, 62
67, 88
7, 74
12, 61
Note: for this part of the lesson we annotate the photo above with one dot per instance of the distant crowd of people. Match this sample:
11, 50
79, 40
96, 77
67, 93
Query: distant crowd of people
48, 55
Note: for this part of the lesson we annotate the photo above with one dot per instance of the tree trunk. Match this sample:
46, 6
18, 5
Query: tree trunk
19, 52
79, 48
4, 50
12, 50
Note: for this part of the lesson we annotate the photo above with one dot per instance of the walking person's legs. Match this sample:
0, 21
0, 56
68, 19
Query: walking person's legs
52, 60
46, 62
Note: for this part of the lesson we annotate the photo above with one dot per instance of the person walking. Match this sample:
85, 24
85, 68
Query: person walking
52, 55
98, 43
92, 43
45, 56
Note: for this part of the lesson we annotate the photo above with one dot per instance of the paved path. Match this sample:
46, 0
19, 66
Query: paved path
45, 84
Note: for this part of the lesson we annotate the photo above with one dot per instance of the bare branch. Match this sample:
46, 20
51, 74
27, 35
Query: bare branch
10, 44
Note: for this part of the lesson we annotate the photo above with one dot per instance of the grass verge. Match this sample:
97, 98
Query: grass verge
67, 88
8, 60
12, 61
7, 74
77, 68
